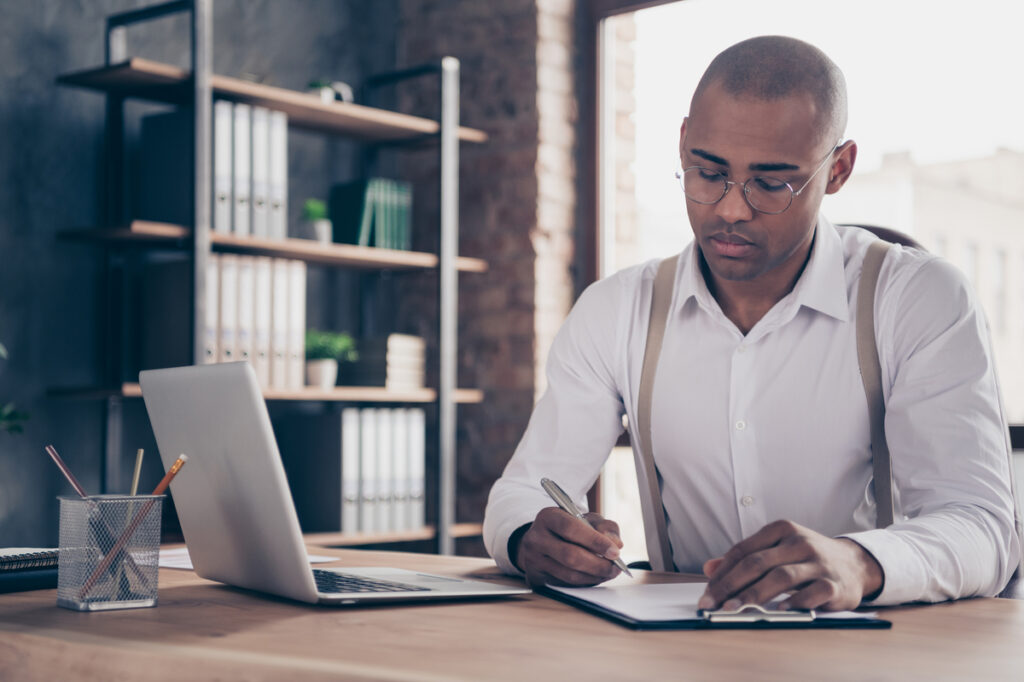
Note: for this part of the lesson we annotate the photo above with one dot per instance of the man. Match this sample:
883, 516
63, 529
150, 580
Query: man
759, 422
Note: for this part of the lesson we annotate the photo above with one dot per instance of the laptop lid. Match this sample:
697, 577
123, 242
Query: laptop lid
232, 499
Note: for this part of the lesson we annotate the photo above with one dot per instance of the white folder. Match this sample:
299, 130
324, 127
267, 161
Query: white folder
223, 149
240, 171
262, 302
400, 450
278, 165
417, 467
228, 320
244, 336
279, 324
385, 472
350, 478
259, 144
211, 334
296, 324
368, 476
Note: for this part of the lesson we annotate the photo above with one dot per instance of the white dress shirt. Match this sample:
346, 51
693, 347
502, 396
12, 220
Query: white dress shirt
774, 424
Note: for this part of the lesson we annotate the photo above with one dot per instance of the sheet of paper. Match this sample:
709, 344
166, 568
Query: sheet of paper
660, 602
179, 558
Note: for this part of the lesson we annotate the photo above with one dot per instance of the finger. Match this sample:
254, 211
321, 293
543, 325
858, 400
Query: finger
605, 526
824, 594
769, 536
571, 529
787, 578
729, 582
569, 565
711, 566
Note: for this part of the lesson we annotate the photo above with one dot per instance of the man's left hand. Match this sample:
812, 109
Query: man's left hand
817, 571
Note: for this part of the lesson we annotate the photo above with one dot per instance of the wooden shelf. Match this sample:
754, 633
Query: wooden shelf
459, 530
353, 394
159, 82
348, 255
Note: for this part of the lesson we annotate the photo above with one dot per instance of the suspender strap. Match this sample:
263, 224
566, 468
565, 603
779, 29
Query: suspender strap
871, 376
659, 550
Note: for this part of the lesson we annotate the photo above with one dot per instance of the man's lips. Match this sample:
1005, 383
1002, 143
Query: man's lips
731, 245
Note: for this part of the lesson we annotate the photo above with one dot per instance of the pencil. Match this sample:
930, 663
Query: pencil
169, 476
119, 545
52, 451
138, 469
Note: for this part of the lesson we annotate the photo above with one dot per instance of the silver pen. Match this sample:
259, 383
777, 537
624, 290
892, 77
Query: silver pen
565, 502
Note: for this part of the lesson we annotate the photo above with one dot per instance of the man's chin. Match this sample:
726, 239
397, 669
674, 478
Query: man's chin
732, 269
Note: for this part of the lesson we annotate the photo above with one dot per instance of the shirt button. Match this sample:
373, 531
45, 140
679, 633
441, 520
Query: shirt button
747, 500
740, 425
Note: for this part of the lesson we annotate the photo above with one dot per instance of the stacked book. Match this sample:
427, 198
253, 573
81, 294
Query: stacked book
372, 212
360, 470
395, 361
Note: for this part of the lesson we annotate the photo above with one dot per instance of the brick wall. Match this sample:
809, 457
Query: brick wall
517, 206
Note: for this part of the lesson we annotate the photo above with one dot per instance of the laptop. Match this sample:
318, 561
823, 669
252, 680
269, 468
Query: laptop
234, 504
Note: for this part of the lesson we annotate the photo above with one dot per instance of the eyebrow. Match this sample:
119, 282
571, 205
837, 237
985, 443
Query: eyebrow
754, 166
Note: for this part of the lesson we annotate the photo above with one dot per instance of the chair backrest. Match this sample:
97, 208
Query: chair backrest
890, 235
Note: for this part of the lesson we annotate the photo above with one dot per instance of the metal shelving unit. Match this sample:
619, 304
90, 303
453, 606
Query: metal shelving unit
123, 77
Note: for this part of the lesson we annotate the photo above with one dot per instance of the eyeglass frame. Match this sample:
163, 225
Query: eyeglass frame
729, 183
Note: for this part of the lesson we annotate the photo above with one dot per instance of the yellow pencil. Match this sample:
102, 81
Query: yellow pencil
138, 469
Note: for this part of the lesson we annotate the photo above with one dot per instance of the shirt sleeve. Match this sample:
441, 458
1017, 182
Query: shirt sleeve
954, 531
574, 425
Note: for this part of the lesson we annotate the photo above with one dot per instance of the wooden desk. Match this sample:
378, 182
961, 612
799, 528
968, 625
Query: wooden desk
202, 630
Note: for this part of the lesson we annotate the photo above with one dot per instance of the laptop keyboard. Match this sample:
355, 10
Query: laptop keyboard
329, 581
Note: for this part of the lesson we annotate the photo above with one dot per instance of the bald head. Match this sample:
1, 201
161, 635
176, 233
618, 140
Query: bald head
776, 67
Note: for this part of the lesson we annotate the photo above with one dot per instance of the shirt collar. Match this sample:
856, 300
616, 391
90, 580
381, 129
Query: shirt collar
822, 285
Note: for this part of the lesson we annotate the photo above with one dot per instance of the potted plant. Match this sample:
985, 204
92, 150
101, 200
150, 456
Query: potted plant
11, 420
318, 226
323, 352
322, 88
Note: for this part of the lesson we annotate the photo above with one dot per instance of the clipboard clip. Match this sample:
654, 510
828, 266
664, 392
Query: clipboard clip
754, 613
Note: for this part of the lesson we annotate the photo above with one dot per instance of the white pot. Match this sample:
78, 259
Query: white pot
322, 374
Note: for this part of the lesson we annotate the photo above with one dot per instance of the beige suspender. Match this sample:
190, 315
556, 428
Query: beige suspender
655, 526
871, 377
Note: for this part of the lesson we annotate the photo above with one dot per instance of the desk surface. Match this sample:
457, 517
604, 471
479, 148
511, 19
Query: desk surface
203, 630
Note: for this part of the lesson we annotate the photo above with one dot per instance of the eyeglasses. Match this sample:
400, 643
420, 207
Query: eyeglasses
763, 193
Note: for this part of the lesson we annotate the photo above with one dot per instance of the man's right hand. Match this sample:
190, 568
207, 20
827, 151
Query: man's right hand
558, 549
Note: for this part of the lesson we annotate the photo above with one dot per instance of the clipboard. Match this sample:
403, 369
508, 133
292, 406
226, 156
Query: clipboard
612, 602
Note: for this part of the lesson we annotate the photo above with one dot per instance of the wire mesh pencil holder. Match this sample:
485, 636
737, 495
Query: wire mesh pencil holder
109, 552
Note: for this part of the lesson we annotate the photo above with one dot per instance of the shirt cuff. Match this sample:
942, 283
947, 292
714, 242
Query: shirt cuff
499, 548
902, 578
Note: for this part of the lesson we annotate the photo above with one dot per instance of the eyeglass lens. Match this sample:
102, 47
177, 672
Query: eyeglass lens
766, 194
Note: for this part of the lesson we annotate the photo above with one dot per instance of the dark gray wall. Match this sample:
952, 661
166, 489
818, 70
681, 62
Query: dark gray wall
50, 161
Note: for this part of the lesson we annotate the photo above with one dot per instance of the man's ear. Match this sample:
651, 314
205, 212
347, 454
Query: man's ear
842, 167
682, 137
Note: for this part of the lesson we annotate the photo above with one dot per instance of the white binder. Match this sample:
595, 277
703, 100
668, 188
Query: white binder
211, 334
350, 477
278, 181
279, 324
385, 472
262, 302
296, 324
244, 336
240, 171
259, 143
417, 467
228, 322
400, 453
223, 149
368, 476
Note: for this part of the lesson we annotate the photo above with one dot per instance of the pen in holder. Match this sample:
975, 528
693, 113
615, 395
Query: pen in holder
100, 537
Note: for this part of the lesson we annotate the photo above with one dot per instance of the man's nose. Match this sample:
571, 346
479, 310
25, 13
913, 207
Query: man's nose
733, 207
